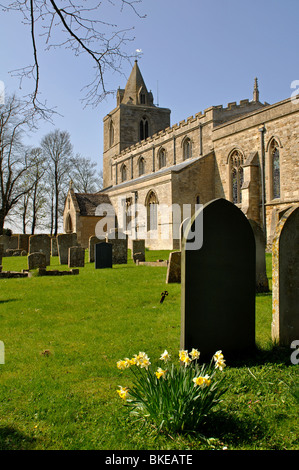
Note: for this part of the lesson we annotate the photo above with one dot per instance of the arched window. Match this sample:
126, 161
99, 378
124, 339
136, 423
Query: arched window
186, 148
123, 172
152, 213
275, 169
111, 134
143, 129
141, 166
236, 176
162, 158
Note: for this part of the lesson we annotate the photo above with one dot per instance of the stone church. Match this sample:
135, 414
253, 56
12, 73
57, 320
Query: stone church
246, 152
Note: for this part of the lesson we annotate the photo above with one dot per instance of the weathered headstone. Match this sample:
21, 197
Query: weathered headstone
76, 257
64, 242
93, 240
1, 253
174, 268
285, 279
103, 255
23, 242
218, 283
54, 247
261, 280
119, 241
40, 243
37, 260
138, 246
10, 242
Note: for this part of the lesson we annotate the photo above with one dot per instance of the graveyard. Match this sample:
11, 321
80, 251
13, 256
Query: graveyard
64, 335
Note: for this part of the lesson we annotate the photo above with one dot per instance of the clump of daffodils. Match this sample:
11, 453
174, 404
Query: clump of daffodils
179, 394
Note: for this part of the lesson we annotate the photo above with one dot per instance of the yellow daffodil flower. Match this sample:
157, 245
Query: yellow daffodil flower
202, 381
122, 392
194, 354
165, 356
160, 372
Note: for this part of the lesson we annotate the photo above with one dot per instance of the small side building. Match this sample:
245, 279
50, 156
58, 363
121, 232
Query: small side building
79, 215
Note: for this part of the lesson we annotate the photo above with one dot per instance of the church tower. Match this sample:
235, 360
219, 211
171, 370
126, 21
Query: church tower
134, 119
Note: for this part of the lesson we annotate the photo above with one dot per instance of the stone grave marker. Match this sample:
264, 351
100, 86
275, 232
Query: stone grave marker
37, 260
93, 240
285, 279
119, 241
103, 255
76, 257
138, 247
174, 268
261, 280
40, 243
1, 253
218, 283
64, 242
23, 242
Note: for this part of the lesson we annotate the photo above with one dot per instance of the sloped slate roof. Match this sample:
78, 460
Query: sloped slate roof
88, 202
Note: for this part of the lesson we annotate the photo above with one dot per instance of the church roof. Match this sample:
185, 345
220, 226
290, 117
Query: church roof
88, 203
134, 86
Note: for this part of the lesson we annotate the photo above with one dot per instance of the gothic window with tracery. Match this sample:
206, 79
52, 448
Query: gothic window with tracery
236, 176
143, 129
275, 169
162, 158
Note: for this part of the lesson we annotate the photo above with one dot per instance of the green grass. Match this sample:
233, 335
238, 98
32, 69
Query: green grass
63, 336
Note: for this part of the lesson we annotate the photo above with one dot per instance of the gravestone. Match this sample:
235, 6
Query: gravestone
261, 280
174, 268
40, 243
138, 246
1, 253
23, 242
37, 260
9, 242
119, 241
64, 242
103, 255
54, 247
93, 240
285, 279
76, 257
218, 283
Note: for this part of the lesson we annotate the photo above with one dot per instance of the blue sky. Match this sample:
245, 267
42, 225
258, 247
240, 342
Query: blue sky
196, 53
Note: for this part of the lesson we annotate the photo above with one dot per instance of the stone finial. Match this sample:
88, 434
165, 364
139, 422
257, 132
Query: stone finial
71, 184
256, 92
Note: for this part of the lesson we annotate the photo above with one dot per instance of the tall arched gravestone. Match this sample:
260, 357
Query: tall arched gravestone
218, 283
285, 279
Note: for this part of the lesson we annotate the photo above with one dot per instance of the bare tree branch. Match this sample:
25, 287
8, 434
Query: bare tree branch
85, 32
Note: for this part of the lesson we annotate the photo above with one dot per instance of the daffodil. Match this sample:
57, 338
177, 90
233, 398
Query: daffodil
165, 356
160, 373
194, 354
121, 365
122, 392
202, 381
219, 360
142, 360
183, 353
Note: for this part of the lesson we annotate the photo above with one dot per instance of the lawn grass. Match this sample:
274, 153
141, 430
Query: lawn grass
63, 336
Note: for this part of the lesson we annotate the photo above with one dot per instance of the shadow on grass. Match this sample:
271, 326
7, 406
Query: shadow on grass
232, 429
12, 439
272, 355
